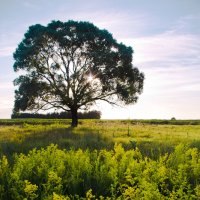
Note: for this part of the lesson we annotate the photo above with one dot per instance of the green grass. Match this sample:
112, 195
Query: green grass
68, 121
100, 159
153, 139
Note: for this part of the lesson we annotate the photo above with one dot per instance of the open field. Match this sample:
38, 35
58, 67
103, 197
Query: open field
114, 159
152, 137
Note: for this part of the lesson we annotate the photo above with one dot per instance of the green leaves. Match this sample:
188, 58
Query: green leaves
116, 174
29, 89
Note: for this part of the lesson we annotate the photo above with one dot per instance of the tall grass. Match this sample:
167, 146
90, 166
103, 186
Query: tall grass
153, 140
52, 173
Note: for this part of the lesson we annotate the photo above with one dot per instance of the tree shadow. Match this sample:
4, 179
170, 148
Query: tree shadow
83, 138
195, 144
65, 138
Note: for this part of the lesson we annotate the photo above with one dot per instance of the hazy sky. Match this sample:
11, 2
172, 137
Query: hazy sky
165, 36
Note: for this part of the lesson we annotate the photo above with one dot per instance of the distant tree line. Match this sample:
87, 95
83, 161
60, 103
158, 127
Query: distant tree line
94, 114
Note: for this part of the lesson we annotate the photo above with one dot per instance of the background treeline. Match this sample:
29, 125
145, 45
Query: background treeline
94, 114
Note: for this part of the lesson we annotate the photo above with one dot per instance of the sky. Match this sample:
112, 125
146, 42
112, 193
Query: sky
165, 37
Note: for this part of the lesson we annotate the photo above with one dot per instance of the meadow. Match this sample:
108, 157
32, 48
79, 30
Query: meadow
100, 159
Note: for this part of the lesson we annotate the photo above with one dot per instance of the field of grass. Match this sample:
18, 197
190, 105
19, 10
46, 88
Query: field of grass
114, 159
151, 137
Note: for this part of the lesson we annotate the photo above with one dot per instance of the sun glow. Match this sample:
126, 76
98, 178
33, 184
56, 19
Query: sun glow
90, 78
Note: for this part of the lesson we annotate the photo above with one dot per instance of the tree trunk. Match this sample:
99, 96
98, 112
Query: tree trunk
74, 114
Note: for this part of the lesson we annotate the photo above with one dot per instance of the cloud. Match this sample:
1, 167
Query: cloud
6, 105
170, 61
7, 51
6, 86
5, 113
187, 24
121, 24
166, 48
6, 99
30, 5
9, 42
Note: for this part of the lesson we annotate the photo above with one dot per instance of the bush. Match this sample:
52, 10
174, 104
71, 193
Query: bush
52, 173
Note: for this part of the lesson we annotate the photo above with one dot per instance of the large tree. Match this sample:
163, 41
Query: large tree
70, 65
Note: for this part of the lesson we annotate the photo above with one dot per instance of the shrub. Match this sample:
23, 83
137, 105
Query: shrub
57, 174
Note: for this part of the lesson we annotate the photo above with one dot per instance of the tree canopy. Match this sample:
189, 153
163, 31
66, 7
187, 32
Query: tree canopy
71, 65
